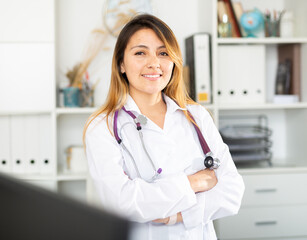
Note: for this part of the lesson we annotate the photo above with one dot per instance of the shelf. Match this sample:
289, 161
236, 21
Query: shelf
25, 112
273, 40
59, 177
35, 177
273, 170
72, 176
60, 111
263, 106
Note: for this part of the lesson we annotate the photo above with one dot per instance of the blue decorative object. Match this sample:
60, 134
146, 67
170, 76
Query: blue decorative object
252, 22
71, 97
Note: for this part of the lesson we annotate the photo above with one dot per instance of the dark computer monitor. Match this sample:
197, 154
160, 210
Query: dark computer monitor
30, 212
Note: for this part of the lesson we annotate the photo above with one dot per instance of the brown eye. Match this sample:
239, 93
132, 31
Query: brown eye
164, 54
139, 53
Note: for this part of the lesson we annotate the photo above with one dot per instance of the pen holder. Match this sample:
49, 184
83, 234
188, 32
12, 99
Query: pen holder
71, 96
87, 98
272, 28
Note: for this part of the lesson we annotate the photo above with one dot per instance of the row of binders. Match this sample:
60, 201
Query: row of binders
26, 145
241, 72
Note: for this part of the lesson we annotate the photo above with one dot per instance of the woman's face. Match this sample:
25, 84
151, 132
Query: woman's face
146, 63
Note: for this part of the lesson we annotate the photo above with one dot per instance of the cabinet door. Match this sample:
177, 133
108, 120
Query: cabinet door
27, 77
27, 21
275, 189
264, 222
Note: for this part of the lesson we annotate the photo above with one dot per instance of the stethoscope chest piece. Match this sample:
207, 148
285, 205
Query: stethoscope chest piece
210, 162
141, 119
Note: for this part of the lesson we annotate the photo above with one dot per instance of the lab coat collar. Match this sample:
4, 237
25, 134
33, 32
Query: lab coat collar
131, 105
172, 106
170, 103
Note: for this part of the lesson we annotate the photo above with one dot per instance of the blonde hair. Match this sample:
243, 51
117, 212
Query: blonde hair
119, 86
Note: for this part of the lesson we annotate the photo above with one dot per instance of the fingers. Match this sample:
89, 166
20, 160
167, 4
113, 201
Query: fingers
161, 220
209, 179
203, 180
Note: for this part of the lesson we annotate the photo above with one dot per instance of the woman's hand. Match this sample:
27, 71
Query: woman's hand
166, 220
161, 220
203, 180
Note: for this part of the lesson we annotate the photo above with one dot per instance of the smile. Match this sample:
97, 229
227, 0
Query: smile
152, 76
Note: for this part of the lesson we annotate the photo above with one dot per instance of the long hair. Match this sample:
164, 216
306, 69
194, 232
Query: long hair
119, 86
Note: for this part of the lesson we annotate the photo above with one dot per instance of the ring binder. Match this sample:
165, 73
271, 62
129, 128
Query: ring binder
5, 158
198, 58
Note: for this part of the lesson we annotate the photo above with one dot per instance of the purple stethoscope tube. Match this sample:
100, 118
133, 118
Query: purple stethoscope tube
209, 162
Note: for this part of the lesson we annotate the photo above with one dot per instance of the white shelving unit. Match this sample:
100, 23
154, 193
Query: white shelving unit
263, 214
32, 127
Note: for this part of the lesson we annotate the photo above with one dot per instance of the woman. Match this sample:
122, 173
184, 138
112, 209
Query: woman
155, 176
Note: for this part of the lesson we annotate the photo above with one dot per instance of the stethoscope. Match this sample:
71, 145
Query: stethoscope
209, 162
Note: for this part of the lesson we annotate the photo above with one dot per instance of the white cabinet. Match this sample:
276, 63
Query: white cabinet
274, 206
27, 55
27, 76
27, 93
265, 222
275, 189
34, 133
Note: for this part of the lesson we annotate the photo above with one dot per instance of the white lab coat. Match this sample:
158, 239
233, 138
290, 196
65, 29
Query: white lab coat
176, 150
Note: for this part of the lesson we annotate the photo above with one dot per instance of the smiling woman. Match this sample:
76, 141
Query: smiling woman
146, 64
147, 144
